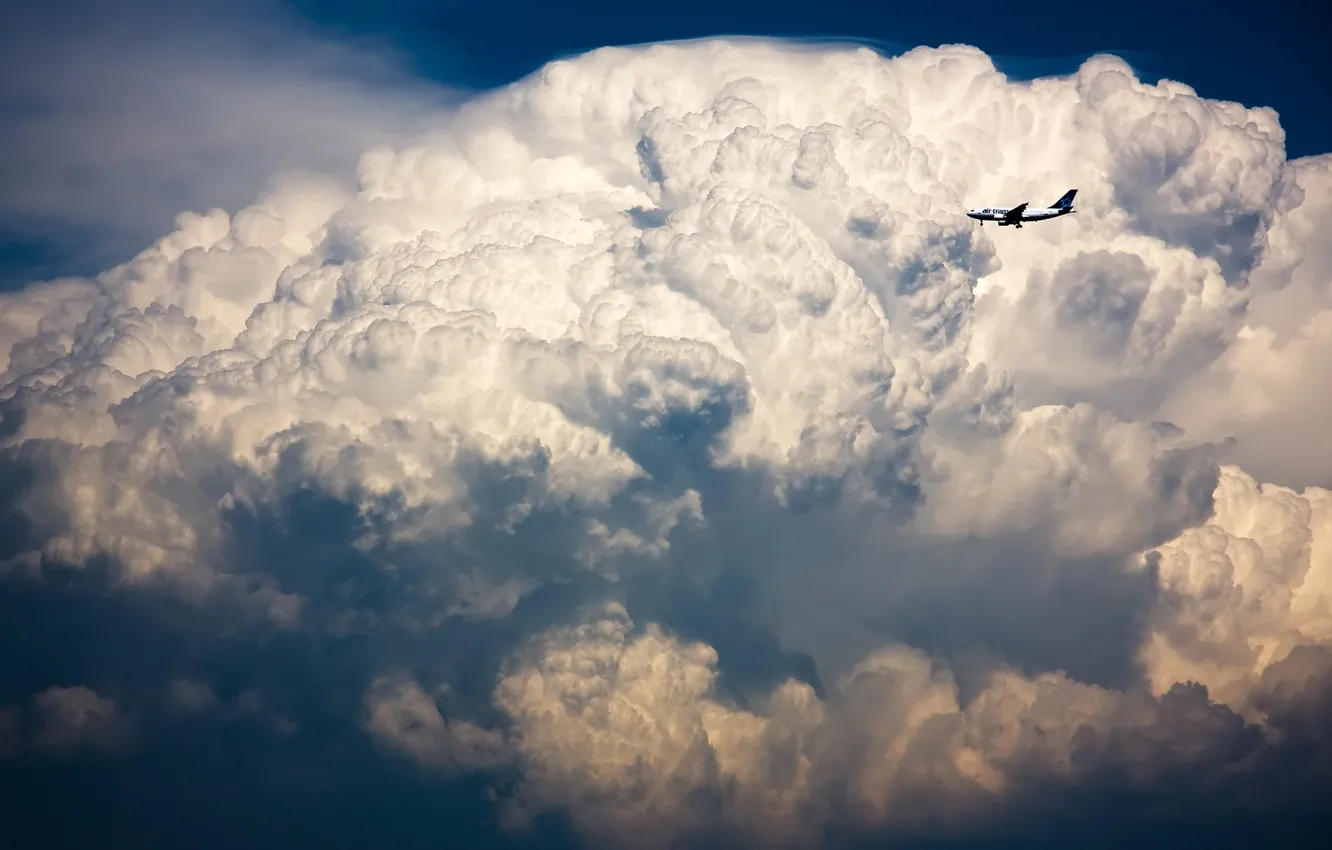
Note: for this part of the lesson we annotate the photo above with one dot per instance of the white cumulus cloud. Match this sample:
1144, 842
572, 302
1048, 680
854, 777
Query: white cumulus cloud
690, 308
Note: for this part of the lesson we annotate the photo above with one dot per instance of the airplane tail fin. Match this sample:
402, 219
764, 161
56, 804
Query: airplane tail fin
1066, 201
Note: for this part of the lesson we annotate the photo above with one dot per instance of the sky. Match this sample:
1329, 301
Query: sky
81, 82
1274, 59
587, 426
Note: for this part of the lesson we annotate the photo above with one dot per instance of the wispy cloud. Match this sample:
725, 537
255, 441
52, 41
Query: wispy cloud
118, 117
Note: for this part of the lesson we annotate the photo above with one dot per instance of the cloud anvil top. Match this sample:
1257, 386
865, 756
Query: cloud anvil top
661, 445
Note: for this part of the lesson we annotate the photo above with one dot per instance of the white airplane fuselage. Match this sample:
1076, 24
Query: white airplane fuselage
1018, 215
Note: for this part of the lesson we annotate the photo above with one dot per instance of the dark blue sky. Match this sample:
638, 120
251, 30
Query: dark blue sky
119, 117
1271, 54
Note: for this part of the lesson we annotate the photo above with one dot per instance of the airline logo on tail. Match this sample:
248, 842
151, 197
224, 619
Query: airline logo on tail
1015, 216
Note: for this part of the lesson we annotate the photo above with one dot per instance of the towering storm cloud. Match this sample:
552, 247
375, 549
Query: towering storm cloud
661, 449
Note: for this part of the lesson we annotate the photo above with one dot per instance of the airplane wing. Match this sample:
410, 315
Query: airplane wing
1015, 214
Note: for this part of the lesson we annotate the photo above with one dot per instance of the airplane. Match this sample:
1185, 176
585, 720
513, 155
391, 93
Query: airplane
1018, 214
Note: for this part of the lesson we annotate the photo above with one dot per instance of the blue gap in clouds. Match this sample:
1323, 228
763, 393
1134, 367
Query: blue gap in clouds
1270, 55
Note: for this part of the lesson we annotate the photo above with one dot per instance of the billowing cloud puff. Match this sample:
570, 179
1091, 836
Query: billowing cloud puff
402, 714
74, 719
1245, 588
1257, 390
625, 727
654, 319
